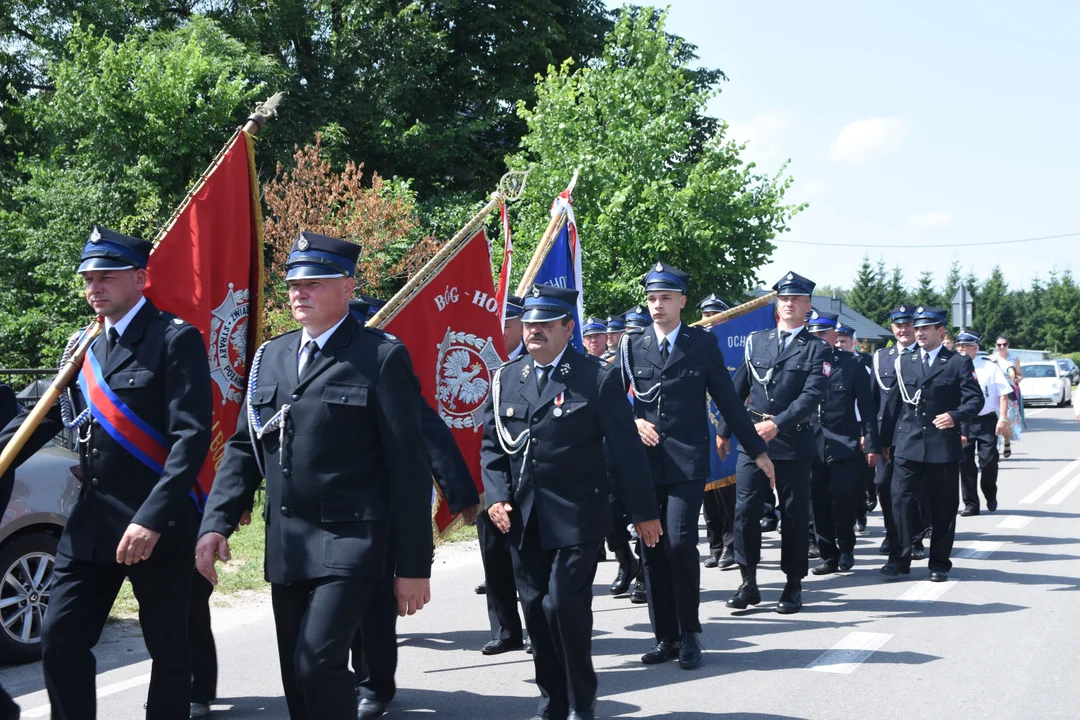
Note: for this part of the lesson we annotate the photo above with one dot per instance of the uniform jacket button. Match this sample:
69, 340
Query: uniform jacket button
95, 452
93, 481
344, 398
356, 515
285, 472
172, 523
131, 381
295, 397
286, 511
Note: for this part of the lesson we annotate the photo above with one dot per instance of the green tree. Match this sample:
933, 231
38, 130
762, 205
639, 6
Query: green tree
993, 312
123, 131
659, 181
924, 293
868, 295
1030, 318
1061, 314
895, 294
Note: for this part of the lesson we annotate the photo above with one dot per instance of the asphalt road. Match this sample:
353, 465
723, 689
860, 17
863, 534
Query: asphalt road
998, 641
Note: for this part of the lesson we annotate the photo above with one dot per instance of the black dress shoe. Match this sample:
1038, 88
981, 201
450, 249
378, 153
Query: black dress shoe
813, 553
481, 589
528, 647
748, 593
886, 547
894, 569
991, 505
938, 576
791, 598
860, 526
637, 595
969, 510
581, 715
690, 652
712, 561
498, 647
368, 709
627, 571
871, 502
662, 652
727, 559
847, 561
768, 523
918, 550
825, 567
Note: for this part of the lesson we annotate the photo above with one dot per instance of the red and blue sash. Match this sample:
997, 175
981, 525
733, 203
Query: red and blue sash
125, 427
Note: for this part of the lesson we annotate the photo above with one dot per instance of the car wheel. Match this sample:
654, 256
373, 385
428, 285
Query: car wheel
27, 564
1061, 403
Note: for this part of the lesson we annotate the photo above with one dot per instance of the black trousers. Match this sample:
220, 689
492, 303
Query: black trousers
8, 709
672, 567
201, 647
719, 511
940, 481
982, 440
883, 475
556, 594
82, 595
619, 538
374, 646
316, 621
752, 491
836, 492
502, 601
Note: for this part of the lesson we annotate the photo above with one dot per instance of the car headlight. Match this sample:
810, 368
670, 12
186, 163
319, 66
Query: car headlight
1055, 386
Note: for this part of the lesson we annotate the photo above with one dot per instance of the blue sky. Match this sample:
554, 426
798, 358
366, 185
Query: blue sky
906, 124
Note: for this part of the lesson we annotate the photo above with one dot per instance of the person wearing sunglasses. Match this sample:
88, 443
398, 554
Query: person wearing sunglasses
1010, 366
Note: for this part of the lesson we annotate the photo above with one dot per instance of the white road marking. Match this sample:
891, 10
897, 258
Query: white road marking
927, 591
1038, 492
980, 549
1014, 522
1032, 413
849, 653
43, 710
1060, 495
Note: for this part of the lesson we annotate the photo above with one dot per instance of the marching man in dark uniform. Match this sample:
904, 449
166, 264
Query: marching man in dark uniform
783, 374
846, 438
670, 367
983, 431
616, 326
936, 392
332, 421
594, 336
499, 584
845, 340
144, 414
546, 485
374, 647
719, 504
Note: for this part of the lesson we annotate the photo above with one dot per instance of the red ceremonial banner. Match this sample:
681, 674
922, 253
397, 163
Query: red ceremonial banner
452, 329
207, 269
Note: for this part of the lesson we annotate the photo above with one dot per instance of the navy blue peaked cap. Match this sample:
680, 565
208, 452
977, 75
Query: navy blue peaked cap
315, 256
109, 250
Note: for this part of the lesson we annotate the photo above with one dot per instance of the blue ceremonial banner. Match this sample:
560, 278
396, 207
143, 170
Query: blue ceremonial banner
562, 266
731, 336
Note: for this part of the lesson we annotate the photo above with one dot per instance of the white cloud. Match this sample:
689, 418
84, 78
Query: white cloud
808, 189
864, 138
925, 221
764, 135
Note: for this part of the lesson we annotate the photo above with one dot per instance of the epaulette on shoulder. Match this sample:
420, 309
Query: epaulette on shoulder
284, 335
597, 361
634, 330
382, 334
173, 321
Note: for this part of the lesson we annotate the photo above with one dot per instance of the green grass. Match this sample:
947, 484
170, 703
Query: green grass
465, 533
244, 571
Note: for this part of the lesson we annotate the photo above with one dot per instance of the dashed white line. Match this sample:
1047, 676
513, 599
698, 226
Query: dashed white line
1063, 493
1032, 413
849, 653
980, 549
1015, 522
1038, 492
43, 710
927, 591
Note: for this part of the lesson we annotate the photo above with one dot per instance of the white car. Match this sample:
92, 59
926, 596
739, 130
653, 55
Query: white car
1045, 382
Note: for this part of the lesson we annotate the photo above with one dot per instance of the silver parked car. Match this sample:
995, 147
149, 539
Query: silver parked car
44, 493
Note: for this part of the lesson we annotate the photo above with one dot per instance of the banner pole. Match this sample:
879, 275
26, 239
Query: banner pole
547, 240
735, 312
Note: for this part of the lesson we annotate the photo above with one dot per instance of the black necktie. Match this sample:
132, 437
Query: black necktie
926, 361
541, 382
307, 356
664, 349
111, 345
784, 335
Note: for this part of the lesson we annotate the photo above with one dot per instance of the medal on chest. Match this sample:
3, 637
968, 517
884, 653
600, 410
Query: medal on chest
558, 411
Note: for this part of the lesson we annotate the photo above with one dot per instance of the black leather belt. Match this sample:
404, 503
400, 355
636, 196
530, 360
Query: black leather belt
762, 417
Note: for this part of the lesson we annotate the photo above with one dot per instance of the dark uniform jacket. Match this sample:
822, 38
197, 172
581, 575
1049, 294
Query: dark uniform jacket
792, 394
836, 427
950, 386
159, 369
353, 467
565, 481
695, 366
883, 365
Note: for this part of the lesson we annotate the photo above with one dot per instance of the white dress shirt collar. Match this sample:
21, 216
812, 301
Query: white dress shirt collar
122, 324
933, 354
671, 336
553, 364
321, 340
